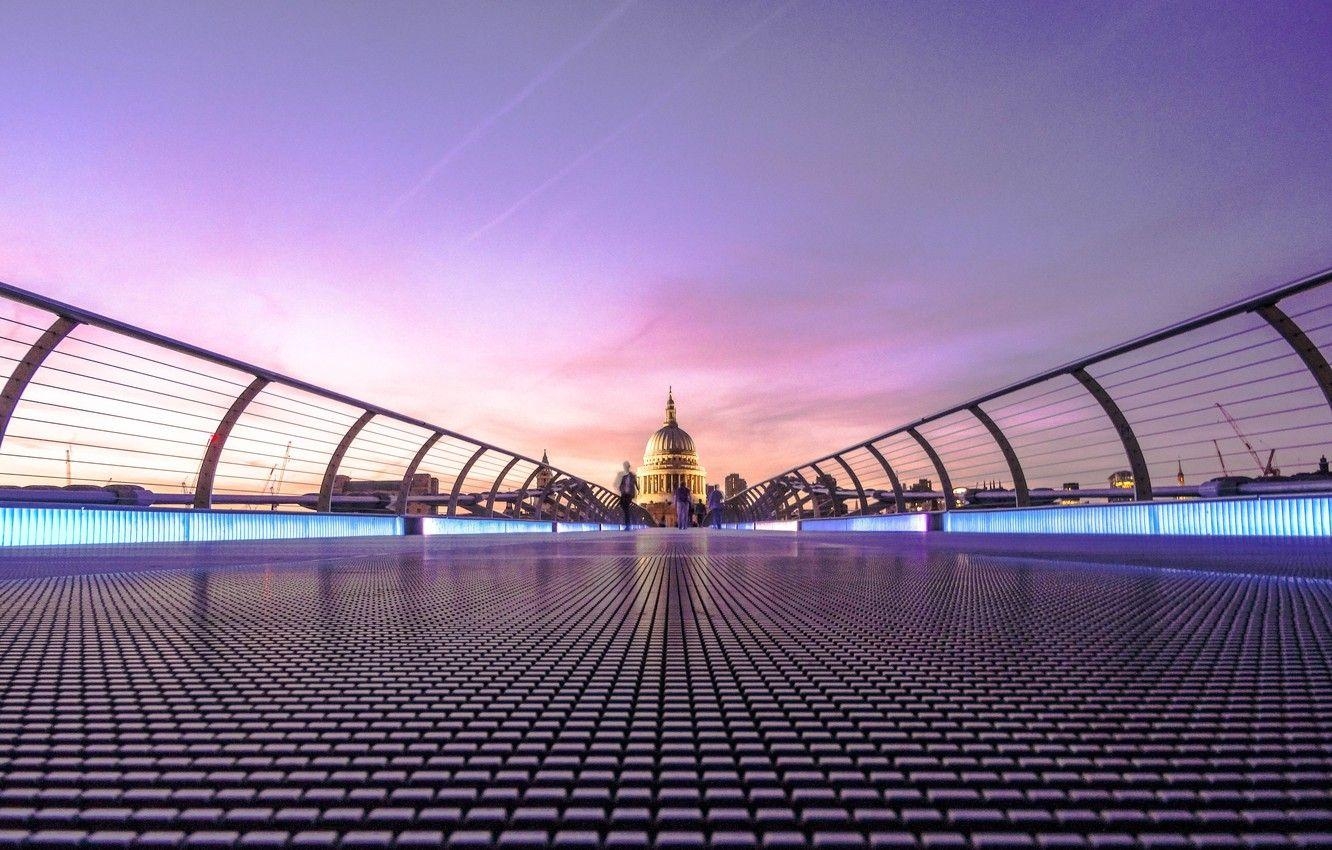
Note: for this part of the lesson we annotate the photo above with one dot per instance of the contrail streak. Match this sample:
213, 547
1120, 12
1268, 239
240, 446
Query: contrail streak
510, 105
628, 124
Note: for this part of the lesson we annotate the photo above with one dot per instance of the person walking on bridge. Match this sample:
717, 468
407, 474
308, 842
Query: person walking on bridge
626, 484
684, 505
715, 506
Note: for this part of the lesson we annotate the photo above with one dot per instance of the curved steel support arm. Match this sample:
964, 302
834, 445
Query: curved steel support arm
519, 505
1021, 495
789, 501
1142, 479
809, 488
543, 496
832, 491
949, 500
855, 481
782, 497
499, 479
568, 498
742, 504
597, 511
756, 503
405, 488
325, 502
574, 507
898, 497
28, 366
462, 476
1313, 359
203, 483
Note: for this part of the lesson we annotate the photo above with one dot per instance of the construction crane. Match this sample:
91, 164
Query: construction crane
1266, 470
1221, 458
271, 486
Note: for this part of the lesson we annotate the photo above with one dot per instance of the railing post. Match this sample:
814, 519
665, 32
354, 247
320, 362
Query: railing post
832, 493
499, 479
574, 508
462, 476
1304, 347
754, 501
608, 501
325, 502
814, 500
28, 366
790, 501
1021, 495
601, 508
519, 505
855, 482
1142, 480
203, 482
949, 500
783, 495
898, 497
544, 494
743, 504
405, 488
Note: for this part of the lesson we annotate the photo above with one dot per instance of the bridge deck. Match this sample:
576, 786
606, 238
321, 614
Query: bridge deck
669, 689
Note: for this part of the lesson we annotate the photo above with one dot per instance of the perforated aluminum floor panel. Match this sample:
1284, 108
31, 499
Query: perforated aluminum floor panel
667, 689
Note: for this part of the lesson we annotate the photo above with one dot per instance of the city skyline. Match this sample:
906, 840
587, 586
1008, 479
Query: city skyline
528, 221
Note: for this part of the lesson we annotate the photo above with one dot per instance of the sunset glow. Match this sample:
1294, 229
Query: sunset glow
526, 221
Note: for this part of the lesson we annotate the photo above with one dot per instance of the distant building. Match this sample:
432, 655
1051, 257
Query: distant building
923, 485
669, 460
1069, 485
544, 474
1121, 480
735, 485
542, 501
420, 484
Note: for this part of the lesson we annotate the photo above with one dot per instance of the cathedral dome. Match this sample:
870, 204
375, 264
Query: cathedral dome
669, 460
670, 441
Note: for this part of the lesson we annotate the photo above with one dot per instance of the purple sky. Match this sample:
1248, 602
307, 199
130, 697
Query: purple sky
524, 220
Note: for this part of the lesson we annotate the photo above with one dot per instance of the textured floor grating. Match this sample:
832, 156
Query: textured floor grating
668, 690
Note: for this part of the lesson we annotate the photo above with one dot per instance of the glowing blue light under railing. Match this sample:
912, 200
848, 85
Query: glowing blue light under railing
886, 522
435, 525
562, 527
1288, 516
777, 525
66, 526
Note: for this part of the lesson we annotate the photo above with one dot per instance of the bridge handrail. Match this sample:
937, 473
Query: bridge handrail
795, 492
548, 490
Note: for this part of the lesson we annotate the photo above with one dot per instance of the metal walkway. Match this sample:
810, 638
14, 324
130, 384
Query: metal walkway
669, 689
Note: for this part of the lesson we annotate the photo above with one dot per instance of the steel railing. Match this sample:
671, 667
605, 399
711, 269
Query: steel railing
97, 411
1221, 404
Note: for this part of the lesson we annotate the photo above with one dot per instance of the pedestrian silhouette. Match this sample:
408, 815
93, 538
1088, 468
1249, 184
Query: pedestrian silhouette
684, 502
626, 484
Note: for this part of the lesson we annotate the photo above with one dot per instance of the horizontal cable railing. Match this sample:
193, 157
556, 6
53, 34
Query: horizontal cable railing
97, 411
1236, 401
